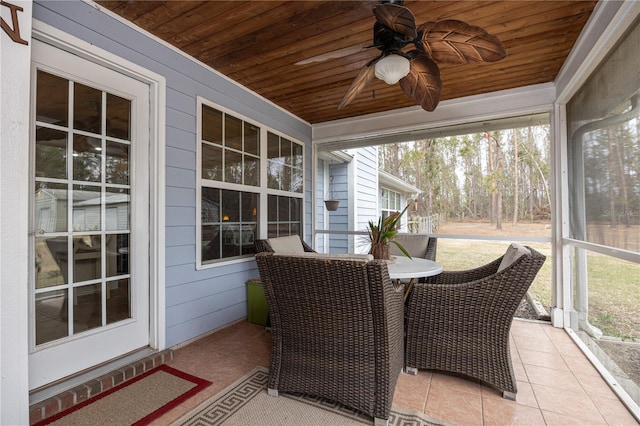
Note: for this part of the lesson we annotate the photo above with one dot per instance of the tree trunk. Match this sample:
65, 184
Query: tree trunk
499, 210
612, 193
516, 189
492, 184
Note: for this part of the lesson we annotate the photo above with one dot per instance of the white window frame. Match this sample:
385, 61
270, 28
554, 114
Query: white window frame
262, 190
397, 197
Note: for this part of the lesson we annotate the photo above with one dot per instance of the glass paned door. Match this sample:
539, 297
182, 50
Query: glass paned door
90, 296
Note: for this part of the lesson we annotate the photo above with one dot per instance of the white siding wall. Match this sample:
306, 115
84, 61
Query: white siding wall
366, 194
196, 301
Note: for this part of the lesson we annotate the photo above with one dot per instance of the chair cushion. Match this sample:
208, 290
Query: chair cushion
290, 244
514, 252
415, 244
329, 256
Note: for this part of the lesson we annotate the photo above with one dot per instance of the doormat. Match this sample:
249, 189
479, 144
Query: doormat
138, 401
246, 403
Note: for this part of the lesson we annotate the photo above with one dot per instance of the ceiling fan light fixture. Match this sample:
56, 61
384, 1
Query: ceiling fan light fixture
392, 68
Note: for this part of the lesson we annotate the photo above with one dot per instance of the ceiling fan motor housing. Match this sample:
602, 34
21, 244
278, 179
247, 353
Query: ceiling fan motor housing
389, 41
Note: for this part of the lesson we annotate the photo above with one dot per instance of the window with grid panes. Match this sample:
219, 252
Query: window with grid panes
231, 188
390, 202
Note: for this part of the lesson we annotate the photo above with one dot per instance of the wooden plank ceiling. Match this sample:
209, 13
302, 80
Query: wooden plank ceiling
257, 44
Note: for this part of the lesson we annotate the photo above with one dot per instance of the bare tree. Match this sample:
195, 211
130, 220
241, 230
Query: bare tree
516, 177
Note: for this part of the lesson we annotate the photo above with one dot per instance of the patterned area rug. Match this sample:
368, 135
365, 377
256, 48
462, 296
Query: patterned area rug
246, 403
138, 401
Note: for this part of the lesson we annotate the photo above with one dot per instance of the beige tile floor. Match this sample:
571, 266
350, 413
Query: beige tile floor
557, 385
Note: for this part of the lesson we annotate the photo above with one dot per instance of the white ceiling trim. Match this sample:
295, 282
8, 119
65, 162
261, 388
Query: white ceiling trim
505, 103
389, 181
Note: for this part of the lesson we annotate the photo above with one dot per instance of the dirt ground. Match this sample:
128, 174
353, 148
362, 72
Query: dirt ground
623, 237
524, 229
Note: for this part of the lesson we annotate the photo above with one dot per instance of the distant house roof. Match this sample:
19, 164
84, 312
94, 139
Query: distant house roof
391, 182
85, 198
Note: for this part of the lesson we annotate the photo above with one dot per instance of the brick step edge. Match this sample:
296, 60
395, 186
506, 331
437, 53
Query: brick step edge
67, 399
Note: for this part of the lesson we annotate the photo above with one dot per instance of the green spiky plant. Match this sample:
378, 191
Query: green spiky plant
384, 231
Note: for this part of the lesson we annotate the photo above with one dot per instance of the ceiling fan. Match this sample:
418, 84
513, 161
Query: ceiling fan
448, 41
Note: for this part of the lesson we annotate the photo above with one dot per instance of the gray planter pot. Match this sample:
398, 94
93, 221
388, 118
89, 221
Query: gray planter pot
332, 205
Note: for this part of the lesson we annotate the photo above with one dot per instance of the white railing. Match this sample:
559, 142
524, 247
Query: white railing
423, 224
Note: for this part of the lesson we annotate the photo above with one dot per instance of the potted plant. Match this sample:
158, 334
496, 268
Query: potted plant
382, 233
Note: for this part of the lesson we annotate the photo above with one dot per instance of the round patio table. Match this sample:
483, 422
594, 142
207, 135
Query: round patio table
403, 268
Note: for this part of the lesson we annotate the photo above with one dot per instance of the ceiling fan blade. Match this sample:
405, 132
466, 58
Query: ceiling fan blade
333, 54
423, 83
456, 42
398, 18
366, 74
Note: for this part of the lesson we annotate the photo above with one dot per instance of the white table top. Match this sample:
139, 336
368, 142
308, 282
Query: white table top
405, 268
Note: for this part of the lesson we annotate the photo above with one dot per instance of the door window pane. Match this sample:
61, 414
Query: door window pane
50, 205
118, 300
87, 109
52, 318
87, 158
118, 117
117, 254
52, 99
87, 307
87, 208
51, 261
87, 258
117, 163
51, 153
117, 209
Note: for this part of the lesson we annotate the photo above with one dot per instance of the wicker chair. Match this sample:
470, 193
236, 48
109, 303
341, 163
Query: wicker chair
418, 245
460, 321
265, 245
337, 329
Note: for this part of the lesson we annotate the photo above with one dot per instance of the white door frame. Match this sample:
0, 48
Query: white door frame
157, 95
14, 196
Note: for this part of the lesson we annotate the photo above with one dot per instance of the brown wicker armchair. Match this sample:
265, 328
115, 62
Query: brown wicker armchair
337, 328
460, 321
266, 246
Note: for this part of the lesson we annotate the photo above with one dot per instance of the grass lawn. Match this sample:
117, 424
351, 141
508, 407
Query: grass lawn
614, 295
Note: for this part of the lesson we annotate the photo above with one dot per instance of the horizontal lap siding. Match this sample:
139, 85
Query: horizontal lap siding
196, 301
366, 192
